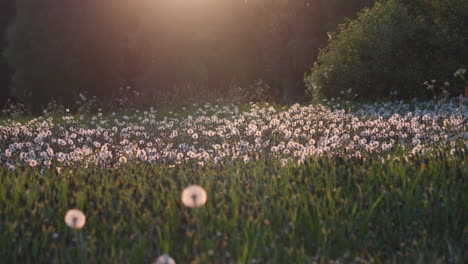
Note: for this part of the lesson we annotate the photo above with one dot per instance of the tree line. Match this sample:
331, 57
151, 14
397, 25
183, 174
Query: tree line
179, 50
6, 15
57, 49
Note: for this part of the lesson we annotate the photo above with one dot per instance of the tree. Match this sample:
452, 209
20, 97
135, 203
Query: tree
6, 14
392, 48
59, 48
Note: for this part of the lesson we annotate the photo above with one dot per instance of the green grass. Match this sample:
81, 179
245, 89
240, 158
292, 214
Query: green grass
328, 209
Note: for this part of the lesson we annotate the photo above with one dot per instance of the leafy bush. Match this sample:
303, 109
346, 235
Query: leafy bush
389, 48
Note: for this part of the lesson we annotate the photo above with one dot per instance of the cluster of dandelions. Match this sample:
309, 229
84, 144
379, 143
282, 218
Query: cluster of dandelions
223, 134
193, 196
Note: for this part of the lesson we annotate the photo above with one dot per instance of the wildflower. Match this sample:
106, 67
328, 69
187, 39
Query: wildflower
180, 156
75, 219
459, 73
82, 96
10, 167
33, 163
284, 162
97, 144
165, 259
217, 146
123, 160
194, 196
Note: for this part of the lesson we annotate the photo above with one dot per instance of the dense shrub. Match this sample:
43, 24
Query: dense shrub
392, 48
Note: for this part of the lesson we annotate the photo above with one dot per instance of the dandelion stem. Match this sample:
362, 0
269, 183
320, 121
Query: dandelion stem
83, 255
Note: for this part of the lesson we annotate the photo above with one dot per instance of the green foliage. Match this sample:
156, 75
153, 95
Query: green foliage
391, 47
328, 209
381, 206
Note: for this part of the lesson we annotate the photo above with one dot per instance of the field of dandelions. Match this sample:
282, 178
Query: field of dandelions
343, 182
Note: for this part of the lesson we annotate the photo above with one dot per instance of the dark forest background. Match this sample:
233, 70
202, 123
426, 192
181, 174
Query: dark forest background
164, 48
179, 50
7, 12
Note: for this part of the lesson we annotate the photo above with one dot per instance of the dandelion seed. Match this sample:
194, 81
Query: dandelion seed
452, 152
10, 167
165, 259
459, 72
123, 160
75, 219
33, 163
194, 196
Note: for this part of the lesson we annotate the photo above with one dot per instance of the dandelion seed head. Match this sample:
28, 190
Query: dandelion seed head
123, 160
194, 196
75, 219
33, 163
165, 259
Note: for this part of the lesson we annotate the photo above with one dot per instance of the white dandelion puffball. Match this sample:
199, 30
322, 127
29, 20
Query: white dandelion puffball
123, 160
75, 219
194, 196
165, 259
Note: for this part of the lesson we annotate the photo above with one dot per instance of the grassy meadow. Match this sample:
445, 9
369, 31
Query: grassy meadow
361, 183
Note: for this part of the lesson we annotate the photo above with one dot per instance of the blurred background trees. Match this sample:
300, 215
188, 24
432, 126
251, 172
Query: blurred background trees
166, 48
6, 14
178, 50
59, 48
